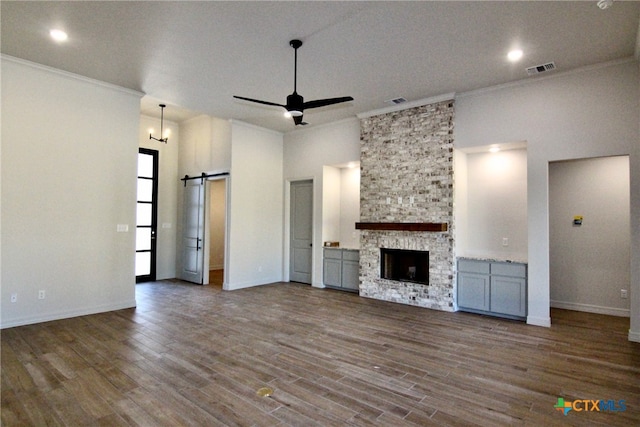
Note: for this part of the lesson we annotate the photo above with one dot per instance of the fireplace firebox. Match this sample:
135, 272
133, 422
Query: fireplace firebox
404, 265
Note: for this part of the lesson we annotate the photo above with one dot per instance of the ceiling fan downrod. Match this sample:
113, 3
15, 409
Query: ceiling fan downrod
295, 44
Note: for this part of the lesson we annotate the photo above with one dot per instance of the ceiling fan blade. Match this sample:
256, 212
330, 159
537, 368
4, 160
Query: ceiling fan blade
295, 102
259, 101
298, 120
325, 102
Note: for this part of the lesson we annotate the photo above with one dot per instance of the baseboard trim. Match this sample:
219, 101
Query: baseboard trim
590, 308
48, 317
251, 284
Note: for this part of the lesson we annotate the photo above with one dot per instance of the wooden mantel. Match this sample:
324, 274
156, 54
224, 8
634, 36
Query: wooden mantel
402, 226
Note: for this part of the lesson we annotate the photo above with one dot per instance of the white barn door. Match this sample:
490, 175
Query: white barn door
193, 232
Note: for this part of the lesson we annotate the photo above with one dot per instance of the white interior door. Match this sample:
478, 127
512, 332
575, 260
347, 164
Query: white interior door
193, 232
301, 231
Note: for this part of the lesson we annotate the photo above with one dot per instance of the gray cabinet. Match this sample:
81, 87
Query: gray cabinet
341, 269
493, 287
332, 267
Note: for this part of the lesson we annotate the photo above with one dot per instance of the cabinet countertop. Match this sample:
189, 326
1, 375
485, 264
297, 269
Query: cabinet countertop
493, 259
341, 248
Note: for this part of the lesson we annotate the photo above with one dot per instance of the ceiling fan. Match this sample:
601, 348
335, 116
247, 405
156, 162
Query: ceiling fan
295, 105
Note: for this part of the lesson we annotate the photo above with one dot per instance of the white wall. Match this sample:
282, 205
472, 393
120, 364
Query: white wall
205, 145
460, 205
306, 152
496, 186
349, 207
634, 172
167, 192
69, 162
589, 264
330, 204
341, 205
256, 207
591, 112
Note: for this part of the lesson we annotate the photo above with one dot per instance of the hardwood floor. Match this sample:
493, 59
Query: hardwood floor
197, 355
216, 277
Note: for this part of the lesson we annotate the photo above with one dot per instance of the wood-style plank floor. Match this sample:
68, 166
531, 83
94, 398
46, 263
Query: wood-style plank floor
197, 355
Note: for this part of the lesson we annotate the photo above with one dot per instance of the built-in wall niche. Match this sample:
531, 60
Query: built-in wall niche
490, 201
341, 204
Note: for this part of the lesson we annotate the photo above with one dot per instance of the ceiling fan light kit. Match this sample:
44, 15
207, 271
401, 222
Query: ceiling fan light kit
295, 105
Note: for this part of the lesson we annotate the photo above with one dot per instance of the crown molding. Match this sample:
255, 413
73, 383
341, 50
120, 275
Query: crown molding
407, 105
552, 75
255, 127
304, 129
72, 76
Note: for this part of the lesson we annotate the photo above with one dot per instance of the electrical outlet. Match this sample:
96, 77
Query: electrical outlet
14, 297
623, 293
41, 294
505, 241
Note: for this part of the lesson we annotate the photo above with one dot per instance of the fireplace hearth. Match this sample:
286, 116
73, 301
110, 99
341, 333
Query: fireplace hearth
404, 265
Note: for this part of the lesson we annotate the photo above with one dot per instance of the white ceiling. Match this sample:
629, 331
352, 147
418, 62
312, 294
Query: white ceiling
194, 56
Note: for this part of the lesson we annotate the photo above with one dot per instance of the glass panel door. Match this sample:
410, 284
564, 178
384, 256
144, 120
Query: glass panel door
147, 212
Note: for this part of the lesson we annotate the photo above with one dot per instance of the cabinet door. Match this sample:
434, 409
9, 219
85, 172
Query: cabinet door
508, 295
332, 272
351, 275
473, 291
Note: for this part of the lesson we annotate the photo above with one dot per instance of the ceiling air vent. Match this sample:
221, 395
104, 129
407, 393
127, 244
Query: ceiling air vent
396, 101
532, 71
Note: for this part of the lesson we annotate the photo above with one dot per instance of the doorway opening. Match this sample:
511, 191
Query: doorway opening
205, 200
589, 235
216, 231
146, 215
301, 231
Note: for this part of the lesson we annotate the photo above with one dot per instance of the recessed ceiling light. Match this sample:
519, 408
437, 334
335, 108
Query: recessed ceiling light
58, 35
514, 55
605, 4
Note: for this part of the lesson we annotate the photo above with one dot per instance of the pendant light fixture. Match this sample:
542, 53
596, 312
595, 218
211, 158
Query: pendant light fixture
162, 138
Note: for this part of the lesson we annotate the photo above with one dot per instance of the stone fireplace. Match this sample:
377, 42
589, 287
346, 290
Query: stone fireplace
406, 160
